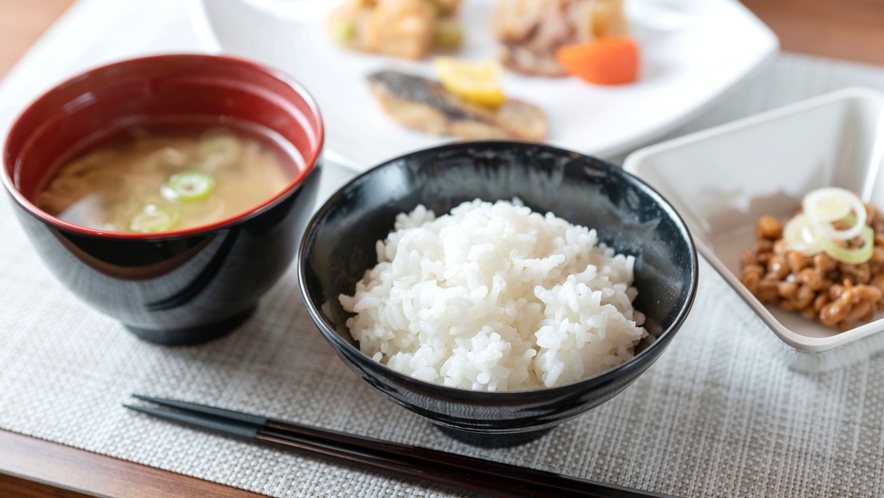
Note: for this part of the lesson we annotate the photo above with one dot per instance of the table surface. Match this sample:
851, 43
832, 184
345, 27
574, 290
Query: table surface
848, 29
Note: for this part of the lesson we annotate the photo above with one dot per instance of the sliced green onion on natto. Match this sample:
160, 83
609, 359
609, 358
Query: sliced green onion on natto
188, 186
825, 206
154, 218
852, 256
801, 236
828, 204
813, 231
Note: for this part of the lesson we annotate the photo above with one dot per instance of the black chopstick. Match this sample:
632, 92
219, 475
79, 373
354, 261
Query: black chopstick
467, 473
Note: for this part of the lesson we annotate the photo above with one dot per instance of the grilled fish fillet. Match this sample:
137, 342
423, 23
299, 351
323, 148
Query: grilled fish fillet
425, 105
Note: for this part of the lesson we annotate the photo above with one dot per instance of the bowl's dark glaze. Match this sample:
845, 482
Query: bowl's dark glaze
188, 285
179, 290
631, 217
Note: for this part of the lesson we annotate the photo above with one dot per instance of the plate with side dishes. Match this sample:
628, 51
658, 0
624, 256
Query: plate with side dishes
692, 51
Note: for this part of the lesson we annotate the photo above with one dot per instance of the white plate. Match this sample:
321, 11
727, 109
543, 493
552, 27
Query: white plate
693, 51
722, 180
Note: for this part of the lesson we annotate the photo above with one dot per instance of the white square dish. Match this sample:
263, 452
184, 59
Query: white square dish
722, 180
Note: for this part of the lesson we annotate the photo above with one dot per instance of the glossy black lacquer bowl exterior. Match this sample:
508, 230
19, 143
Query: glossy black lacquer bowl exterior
339, 246
188, 285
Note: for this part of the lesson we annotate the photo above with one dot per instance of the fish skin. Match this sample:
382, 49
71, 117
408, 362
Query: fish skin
424, 104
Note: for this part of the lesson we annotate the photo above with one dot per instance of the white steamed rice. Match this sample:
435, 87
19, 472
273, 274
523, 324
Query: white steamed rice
495, 297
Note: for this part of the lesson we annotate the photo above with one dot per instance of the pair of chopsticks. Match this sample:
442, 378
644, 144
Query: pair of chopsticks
466, 473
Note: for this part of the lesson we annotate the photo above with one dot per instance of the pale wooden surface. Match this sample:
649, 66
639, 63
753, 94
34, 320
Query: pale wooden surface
844, 29
848, 29
21, 24
32, 468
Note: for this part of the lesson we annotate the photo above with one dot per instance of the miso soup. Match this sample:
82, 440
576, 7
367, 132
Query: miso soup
162, 181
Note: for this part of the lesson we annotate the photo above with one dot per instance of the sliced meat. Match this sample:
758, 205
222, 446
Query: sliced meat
530, 31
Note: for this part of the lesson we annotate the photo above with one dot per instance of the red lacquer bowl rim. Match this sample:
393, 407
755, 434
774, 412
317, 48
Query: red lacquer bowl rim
309, 162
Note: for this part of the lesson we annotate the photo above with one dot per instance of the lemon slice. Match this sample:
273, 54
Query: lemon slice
478, 82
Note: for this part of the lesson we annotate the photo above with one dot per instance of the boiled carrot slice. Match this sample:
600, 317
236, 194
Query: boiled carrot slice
607, 61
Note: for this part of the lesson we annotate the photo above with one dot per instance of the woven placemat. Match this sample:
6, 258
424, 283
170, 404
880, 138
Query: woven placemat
718, 415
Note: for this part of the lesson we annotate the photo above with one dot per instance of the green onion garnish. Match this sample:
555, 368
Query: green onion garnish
188, 186
154, 219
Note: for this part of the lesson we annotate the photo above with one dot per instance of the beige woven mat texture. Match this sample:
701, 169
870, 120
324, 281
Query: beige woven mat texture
718, 415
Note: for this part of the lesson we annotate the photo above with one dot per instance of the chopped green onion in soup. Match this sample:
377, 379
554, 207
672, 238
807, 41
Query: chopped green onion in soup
189, 186
219, 151
154, 219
